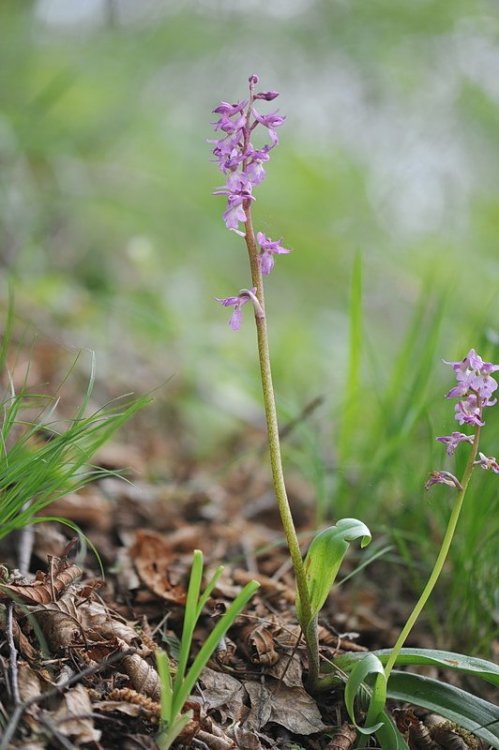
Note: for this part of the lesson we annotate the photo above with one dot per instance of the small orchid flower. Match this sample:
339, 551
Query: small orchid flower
443, 477
469, 411
271, 122
453, 440
237, 302
488, 462
269, 248
235, 212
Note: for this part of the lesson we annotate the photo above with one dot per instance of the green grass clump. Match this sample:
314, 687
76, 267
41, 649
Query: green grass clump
39, 462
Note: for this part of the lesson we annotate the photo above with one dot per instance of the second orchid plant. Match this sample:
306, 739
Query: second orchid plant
243, 165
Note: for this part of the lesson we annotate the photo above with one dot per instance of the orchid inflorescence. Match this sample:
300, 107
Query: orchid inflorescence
475, 388
242, 163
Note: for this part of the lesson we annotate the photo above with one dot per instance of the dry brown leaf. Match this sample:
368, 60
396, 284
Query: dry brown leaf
343, 739
292, 708
244, 738
129, 702
258, 643
414, 731
222, 692
22, 643
46, 588
214, 742
74, 716
28, 681
288, 670
59, 622
107, 624
152, 556
143, 676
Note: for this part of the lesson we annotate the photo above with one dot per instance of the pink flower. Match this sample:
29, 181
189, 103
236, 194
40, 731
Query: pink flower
443, 477
269, 248
475, 387
453, 440
236, 156
238, 302
488, 463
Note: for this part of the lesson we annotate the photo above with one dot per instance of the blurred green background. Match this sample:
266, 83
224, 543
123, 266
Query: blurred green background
389, 154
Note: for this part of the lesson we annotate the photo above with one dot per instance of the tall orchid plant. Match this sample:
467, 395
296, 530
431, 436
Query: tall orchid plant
243, 166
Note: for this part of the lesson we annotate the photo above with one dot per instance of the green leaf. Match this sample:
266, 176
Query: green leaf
166, 738
470, 665
324, 558
190, 617
352, 402
165, 676
369, 665
208, 590
474, 714
182, 691
388, 736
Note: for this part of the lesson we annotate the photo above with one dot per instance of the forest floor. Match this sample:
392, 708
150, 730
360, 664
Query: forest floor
78, 644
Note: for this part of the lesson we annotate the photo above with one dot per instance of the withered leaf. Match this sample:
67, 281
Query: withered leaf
47, 588
259, 644
292, 708
152, 556
244, 738
21, 641
74, 716
143, 676
223, 692
343, 738
28, 681
98, 618
289, 670
59, 622
214, 742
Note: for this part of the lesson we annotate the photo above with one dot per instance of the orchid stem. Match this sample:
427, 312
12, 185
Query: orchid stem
440, 561
275, 453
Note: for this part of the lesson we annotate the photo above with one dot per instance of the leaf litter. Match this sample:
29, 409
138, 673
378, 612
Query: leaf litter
78, 648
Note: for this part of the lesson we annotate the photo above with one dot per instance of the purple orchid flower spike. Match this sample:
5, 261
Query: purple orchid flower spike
474, 388
237, 158
473, 374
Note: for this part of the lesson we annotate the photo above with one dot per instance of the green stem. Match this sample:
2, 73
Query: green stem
440, 561
275, 453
